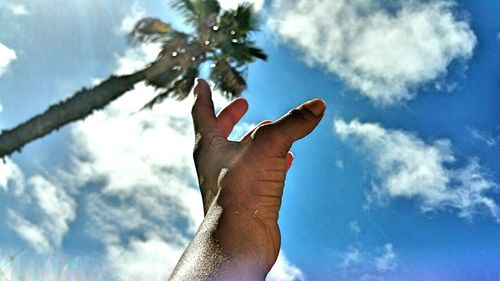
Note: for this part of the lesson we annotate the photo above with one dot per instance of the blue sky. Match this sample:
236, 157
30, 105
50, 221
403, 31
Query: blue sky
400, 181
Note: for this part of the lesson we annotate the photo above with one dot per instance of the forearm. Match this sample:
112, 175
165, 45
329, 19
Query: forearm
225, 247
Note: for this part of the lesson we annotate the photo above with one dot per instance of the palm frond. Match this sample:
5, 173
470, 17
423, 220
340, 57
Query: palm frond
184, 85
257, 53
227, 79
241, 21
241, 53
148, 29
157, 99
179, 89
187, 8
164, 78
199, 12
173, 44
206, 9
246, 18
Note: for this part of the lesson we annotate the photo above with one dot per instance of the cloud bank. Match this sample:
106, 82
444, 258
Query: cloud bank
385, 51
407, 167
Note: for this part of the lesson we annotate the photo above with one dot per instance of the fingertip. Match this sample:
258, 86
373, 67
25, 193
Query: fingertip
316, 106
200, 85
243, 103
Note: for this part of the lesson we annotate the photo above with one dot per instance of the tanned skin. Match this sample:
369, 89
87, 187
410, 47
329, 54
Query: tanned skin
241, 185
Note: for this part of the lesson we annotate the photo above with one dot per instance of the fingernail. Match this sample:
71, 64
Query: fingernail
316, 106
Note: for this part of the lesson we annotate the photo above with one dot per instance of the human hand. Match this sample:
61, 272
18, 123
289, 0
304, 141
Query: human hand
246, 178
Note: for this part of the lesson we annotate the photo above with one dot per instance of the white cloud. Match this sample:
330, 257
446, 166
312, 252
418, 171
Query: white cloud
233, 4
360, 264
28, 231
7, 56
152, 259
143, 161
490, 140
57, 207
387, 260
128, 23
18, 9
383, 54
283, 270
351, 257
54, 210
407, 167
11, 177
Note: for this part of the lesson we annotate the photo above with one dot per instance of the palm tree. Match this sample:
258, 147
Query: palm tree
221, 39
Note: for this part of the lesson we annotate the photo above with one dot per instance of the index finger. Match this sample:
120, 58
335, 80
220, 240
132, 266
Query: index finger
203, 108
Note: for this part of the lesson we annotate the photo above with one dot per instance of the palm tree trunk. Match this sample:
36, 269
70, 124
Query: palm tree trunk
84, 102
77, 107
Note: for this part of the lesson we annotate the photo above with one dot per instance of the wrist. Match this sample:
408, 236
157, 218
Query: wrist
250, 246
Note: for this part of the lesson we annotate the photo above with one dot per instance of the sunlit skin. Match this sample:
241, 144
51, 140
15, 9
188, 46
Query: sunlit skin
241, 185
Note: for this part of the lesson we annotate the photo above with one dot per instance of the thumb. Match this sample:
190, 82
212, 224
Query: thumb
294, 125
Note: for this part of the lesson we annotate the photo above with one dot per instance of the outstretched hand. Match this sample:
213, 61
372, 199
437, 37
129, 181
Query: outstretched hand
242, 184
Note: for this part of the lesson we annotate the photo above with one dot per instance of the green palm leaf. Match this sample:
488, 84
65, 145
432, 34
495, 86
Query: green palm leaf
227, 79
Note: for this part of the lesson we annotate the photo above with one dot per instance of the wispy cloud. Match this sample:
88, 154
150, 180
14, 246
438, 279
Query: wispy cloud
358, 263
490, 140
383, 50
7, 56
28, 231
54, 210
407, 167
387, 259
354, 227
351, 257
